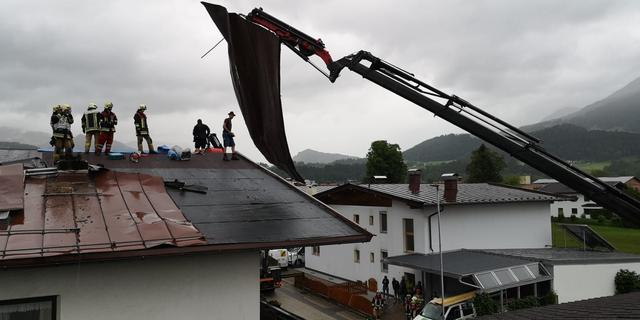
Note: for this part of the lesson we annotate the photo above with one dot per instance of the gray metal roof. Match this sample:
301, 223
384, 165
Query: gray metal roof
559, 188
468, 193
245, 206
623, 306
12, 155
457, 263
559, 256
623, 179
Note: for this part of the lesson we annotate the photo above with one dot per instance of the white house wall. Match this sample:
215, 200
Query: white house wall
579, 282
494, 226
568, 206
521, 225
211, 286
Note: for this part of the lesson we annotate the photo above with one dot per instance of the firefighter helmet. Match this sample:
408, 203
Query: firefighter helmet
108, 105
142, 107
92, 106
66, 107
57, 108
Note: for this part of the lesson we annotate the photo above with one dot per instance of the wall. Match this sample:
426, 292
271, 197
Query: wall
578, 282
203, 286
520, 225
568, 205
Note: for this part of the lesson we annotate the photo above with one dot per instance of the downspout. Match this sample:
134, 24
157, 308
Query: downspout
429, 225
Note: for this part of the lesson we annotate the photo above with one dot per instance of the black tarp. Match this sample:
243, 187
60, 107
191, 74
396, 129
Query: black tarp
254, 62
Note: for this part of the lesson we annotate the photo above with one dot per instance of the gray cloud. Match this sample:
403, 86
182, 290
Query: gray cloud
520, 60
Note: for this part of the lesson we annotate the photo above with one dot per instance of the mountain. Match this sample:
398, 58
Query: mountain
566, 141
41, 139
312, 156
442, 148
619, 111
16, 145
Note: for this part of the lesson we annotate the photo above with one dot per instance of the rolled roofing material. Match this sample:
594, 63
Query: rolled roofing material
11, 187
254, 62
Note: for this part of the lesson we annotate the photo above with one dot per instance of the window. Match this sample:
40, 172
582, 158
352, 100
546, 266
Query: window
560, 211
383, 255
356, 256
467, 309
42, 308
370, 220
574, 210
383, 222
356, 218
316, 251
408, 235
372, 257
454, 313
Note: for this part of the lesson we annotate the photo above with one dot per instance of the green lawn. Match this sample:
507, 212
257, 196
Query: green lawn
624, 239
590, 166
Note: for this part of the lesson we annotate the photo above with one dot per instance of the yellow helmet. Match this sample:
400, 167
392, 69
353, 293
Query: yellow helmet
142, 107
108, 105
57, 107
66, 107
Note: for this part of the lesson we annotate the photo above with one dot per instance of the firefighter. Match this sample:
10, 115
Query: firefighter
91, 126
61, 121
378, 305
142, 128
108, 122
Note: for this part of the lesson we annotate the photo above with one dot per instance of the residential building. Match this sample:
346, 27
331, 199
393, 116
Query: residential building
158, 239
574, 203
404, 220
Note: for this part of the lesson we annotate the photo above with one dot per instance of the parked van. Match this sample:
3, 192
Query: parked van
281, 255
296, 257
455, 307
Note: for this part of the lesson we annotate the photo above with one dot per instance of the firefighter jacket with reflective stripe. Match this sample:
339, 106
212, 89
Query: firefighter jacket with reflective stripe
108, 121
91, 121
140, 120
61, 124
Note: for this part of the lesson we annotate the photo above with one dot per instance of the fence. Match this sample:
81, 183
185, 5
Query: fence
351, 294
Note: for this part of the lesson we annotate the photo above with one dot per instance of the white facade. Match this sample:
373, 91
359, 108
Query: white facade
579, 282
199, 286
571, 208
474, 226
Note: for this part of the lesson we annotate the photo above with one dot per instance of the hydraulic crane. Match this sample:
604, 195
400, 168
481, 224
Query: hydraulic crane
457, 111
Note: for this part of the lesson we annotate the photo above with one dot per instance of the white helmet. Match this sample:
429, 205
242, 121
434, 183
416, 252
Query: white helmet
92, 106
142, 107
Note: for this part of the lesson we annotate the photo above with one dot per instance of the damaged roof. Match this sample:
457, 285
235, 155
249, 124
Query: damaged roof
468, 193
127, 211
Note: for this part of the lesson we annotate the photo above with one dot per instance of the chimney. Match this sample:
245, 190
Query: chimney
415, 177
450, 186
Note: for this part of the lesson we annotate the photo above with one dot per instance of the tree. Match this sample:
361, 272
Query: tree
385, 159
485, 166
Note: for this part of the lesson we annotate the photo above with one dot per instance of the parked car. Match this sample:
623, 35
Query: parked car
281, 255
455, 308
296, 257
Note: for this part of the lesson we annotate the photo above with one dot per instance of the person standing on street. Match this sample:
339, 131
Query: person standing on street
227, 137
385, 286
395, 285
142, 128
108, 122
91, 126
200, 133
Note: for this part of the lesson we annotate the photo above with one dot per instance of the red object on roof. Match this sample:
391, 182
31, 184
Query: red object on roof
76, 213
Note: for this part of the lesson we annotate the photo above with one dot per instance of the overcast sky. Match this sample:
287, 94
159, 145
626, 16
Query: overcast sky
519, 60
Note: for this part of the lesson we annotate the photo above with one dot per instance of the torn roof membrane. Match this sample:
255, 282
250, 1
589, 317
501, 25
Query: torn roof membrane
254, 62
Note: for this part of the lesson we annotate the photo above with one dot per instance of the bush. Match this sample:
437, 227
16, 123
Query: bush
627, 281
484, 305
573, 218
550, 298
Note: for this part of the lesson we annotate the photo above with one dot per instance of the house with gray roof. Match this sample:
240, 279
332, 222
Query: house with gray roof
404, 220
153, 239
577, 204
